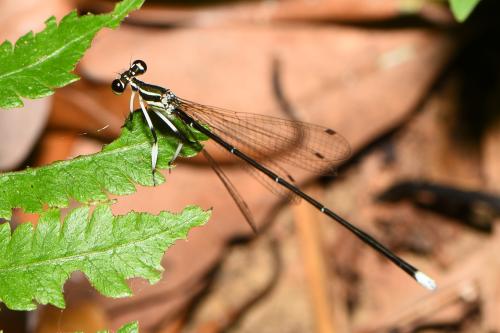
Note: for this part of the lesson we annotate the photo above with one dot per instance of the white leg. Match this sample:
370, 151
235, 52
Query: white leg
175, 130
154, 149
167, 121
176, 154
132, 97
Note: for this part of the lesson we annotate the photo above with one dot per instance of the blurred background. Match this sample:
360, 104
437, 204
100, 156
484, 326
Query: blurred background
416, 94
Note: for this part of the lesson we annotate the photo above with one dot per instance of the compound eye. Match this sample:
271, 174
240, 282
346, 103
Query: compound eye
138, 67
118, 86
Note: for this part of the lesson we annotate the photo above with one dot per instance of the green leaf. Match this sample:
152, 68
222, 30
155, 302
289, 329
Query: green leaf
127, 328
92, 178
40, 62
35, 263
461, 9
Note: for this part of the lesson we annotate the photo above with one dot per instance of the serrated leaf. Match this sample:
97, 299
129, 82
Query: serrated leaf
127, 328
40, 62
461, 9
92, 178
108, 249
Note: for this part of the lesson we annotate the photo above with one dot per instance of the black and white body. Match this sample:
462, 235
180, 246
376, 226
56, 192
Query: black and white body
156, 97
251, 137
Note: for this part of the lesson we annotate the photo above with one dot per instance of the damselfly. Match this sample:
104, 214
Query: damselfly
252, 138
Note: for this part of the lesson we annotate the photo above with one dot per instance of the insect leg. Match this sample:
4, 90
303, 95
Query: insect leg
131, 105
154, 149
176, 132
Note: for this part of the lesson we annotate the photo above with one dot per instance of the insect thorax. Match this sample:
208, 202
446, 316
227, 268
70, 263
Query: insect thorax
169, 101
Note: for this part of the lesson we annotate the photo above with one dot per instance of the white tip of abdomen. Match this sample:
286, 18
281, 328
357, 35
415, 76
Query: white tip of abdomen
425, 281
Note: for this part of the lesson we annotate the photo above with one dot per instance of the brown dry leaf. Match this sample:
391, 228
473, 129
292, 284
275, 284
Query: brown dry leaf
264, 12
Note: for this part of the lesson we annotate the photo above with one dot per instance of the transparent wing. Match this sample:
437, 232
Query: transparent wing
274, 141
232, 190
265, 181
